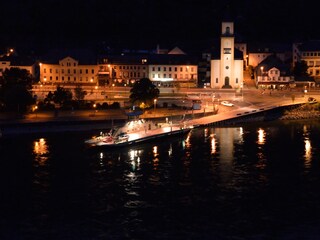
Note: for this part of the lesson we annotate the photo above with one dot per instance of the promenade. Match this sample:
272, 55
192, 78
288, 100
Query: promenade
90, 120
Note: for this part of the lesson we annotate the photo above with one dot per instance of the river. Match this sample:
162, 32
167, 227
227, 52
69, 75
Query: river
255, 181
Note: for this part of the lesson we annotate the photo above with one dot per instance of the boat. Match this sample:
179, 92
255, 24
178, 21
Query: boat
137, 131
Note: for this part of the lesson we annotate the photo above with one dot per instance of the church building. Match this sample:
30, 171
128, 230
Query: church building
227, 64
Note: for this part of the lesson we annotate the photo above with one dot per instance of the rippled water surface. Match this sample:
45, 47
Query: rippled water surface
258, 181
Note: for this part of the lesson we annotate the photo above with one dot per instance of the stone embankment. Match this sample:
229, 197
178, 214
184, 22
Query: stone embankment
306, 111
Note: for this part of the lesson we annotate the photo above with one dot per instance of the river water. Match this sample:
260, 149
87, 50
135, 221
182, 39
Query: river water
256, 181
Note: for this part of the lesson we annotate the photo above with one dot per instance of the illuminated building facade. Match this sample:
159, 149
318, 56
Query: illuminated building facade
227, 64
68, 68
273, 73
173, 70
122, 69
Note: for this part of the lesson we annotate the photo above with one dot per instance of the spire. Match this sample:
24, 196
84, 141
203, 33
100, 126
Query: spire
227, 14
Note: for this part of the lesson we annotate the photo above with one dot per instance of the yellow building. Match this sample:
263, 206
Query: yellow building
69, 68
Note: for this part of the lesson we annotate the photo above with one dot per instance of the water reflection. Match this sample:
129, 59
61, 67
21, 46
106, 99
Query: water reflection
307, 147
261, 136
40, 149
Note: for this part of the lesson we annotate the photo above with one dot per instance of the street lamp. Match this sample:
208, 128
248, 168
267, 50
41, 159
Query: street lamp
94, 109
155, 104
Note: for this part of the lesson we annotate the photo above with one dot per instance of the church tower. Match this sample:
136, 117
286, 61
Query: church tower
227, 64
227, 53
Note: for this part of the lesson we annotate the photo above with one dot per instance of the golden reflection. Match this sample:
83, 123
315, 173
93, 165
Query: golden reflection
213, 145
205, 133
261, 136
170, 150
155, 151
40, 149
307, 147
241, 135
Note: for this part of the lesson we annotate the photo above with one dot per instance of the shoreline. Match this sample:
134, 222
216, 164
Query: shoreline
20, 126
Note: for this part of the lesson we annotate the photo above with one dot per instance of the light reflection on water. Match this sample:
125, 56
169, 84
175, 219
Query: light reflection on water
228, 182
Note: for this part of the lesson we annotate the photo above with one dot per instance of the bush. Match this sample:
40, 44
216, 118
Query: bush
114, 105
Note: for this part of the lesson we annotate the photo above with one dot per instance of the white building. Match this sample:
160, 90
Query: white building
273, 73
227, 66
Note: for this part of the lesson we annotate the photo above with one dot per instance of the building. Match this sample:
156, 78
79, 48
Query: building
122, 69
173, 70
227, 64
260, 51
309, 52
68, 67
273, 73
15, 61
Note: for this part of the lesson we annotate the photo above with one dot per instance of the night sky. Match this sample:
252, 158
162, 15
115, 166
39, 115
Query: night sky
142, 24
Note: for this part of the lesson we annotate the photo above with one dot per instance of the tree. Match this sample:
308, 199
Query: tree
79, 93
15, 89
61, 96
301, 69
144, 92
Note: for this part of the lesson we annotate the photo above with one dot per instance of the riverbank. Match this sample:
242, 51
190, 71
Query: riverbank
305, 111
36, 124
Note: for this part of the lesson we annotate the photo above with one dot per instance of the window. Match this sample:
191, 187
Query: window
44, 70
236, 80
92, 71
50, 78
159, 68
170, 69
62, 71
217, 80
164, 69
164, 75
153, 75
62, 79
80, 71
57, 78
87, 71
153, 69
50, 70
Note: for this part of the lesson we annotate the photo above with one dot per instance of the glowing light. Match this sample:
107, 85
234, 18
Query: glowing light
40, 148
170, 150
155, 150
213, 145
261, 136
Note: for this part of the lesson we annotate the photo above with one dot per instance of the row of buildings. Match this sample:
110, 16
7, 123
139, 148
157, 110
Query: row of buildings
225, 65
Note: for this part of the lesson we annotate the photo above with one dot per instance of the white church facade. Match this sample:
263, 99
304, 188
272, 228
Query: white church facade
227, 65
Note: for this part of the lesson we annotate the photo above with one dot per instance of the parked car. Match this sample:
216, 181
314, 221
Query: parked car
226, 103
312, 100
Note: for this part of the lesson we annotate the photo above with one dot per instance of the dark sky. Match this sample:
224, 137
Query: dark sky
146, 23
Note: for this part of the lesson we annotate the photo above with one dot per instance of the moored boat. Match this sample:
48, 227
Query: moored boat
137, 131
